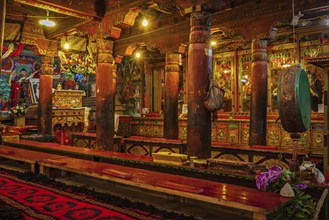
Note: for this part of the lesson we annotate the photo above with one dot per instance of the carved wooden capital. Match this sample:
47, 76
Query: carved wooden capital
47, 63
172, 62
104, 51
200, 27
46, 47
259, 52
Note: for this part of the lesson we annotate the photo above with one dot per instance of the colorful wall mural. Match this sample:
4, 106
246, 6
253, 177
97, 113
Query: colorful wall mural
15, 78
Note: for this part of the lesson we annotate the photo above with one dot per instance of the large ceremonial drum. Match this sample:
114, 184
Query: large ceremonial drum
294, 99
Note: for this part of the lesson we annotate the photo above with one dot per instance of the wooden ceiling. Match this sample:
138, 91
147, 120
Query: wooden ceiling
116, 18
72, 16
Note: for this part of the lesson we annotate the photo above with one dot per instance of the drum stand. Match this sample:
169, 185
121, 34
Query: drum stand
294, 163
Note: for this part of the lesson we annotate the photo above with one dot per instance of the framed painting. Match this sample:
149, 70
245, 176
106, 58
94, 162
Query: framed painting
184, 109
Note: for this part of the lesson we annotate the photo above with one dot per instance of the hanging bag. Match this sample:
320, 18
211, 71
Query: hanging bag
215, 97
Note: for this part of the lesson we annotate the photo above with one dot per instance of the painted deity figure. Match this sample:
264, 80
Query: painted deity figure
137, 96
16, 90
5, 104
20, 86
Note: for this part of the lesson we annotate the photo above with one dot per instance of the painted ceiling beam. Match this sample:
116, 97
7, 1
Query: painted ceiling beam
86, 8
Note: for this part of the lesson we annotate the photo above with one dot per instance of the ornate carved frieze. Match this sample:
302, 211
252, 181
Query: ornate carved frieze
47, 65
172, 62
200, 27
31, 32
104, 51
259, 52
47, 47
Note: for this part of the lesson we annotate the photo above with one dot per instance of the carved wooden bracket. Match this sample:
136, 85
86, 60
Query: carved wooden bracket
46, 47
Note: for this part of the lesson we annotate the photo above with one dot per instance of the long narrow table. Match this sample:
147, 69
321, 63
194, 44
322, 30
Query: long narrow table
132, 160
85, 153
262, 205
26, 156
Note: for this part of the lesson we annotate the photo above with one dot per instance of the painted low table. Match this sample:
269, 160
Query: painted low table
88, 140
148, 145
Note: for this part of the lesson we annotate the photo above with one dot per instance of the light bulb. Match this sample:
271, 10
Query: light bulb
145, 22
47, 23
66, 46
137, 55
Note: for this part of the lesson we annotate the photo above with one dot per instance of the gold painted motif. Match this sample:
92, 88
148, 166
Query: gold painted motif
68, 98
47, 65
233, 157
274, 162
273, 135
139, 150
104, 51
68, 117
233, 133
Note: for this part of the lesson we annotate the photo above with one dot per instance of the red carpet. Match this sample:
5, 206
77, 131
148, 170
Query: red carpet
36, 201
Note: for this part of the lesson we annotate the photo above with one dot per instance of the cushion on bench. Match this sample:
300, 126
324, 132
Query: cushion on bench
179, 186
117, 173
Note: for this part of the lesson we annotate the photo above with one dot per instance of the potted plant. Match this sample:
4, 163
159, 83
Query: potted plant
288, 184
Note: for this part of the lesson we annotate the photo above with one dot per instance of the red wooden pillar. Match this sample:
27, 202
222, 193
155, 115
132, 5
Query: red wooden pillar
171, 96
105, 92
45, 95
2, 25
258, 106
199, 70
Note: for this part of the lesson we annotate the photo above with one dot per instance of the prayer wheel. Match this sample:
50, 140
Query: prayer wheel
294, 100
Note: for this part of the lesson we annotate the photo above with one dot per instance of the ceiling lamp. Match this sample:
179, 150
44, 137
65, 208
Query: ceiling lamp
213, 43
47, 22
138, 55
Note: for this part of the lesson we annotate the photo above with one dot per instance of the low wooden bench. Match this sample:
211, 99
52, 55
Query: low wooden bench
266, 153
26, 156
28, 129
148, 145
131, 160
82, 153
262, 205
88, 140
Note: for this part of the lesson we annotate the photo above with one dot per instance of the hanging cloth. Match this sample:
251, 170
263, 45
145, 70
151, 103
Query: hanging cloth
18, 50
215, 97
9, 51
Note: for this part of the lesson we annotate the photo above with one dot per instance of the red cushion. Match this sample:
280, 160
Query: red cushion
262, 147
